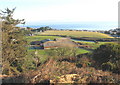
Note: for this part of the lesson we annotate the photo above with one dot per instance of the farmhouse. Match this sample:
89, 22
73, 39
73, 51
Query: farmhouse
50, 44
59, 42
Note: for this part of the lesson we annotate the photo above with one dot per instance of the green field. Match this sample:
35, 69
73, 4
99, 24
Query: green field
76, 34
81, 51
43, 54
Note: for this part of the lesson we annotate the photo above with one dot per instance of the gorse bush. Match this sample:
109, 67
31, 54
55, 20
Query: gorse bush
108, 57
63, 52
84, 61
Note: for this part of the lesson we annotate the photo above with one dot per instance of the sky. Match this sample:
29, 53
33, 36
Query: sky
63, 10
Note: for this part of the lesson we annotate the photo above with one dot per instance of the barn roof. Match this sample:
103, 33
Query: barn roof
50, 43
45, 40
39, 42
35, 42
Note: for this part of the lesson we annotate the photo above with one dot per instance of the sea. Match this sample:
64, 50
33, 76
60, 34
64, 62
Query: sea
75, 25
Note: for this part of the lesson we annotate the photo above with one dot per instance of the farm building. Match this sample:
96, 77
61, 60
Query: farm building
35, 43
50, 44
39, 42
59, 42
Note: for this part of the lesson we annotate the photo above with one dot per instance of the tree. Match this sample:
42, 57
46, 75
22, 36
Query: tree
107, 32
13, 43
42, 29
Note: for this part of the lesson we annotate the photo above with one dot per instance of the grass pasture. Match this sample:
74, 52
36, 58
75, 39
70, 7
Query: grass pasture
76, 34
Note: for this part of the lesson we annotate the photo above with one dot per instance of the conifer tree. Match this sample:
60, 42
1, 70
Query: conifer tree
13, 43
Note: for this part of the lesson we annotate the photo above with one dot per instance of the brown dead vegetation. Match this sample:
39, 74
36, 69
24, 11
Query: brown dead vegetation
64, 72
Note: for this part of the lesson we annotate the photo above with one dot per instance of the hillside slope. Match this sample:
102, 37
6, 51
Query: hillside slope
76, 34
